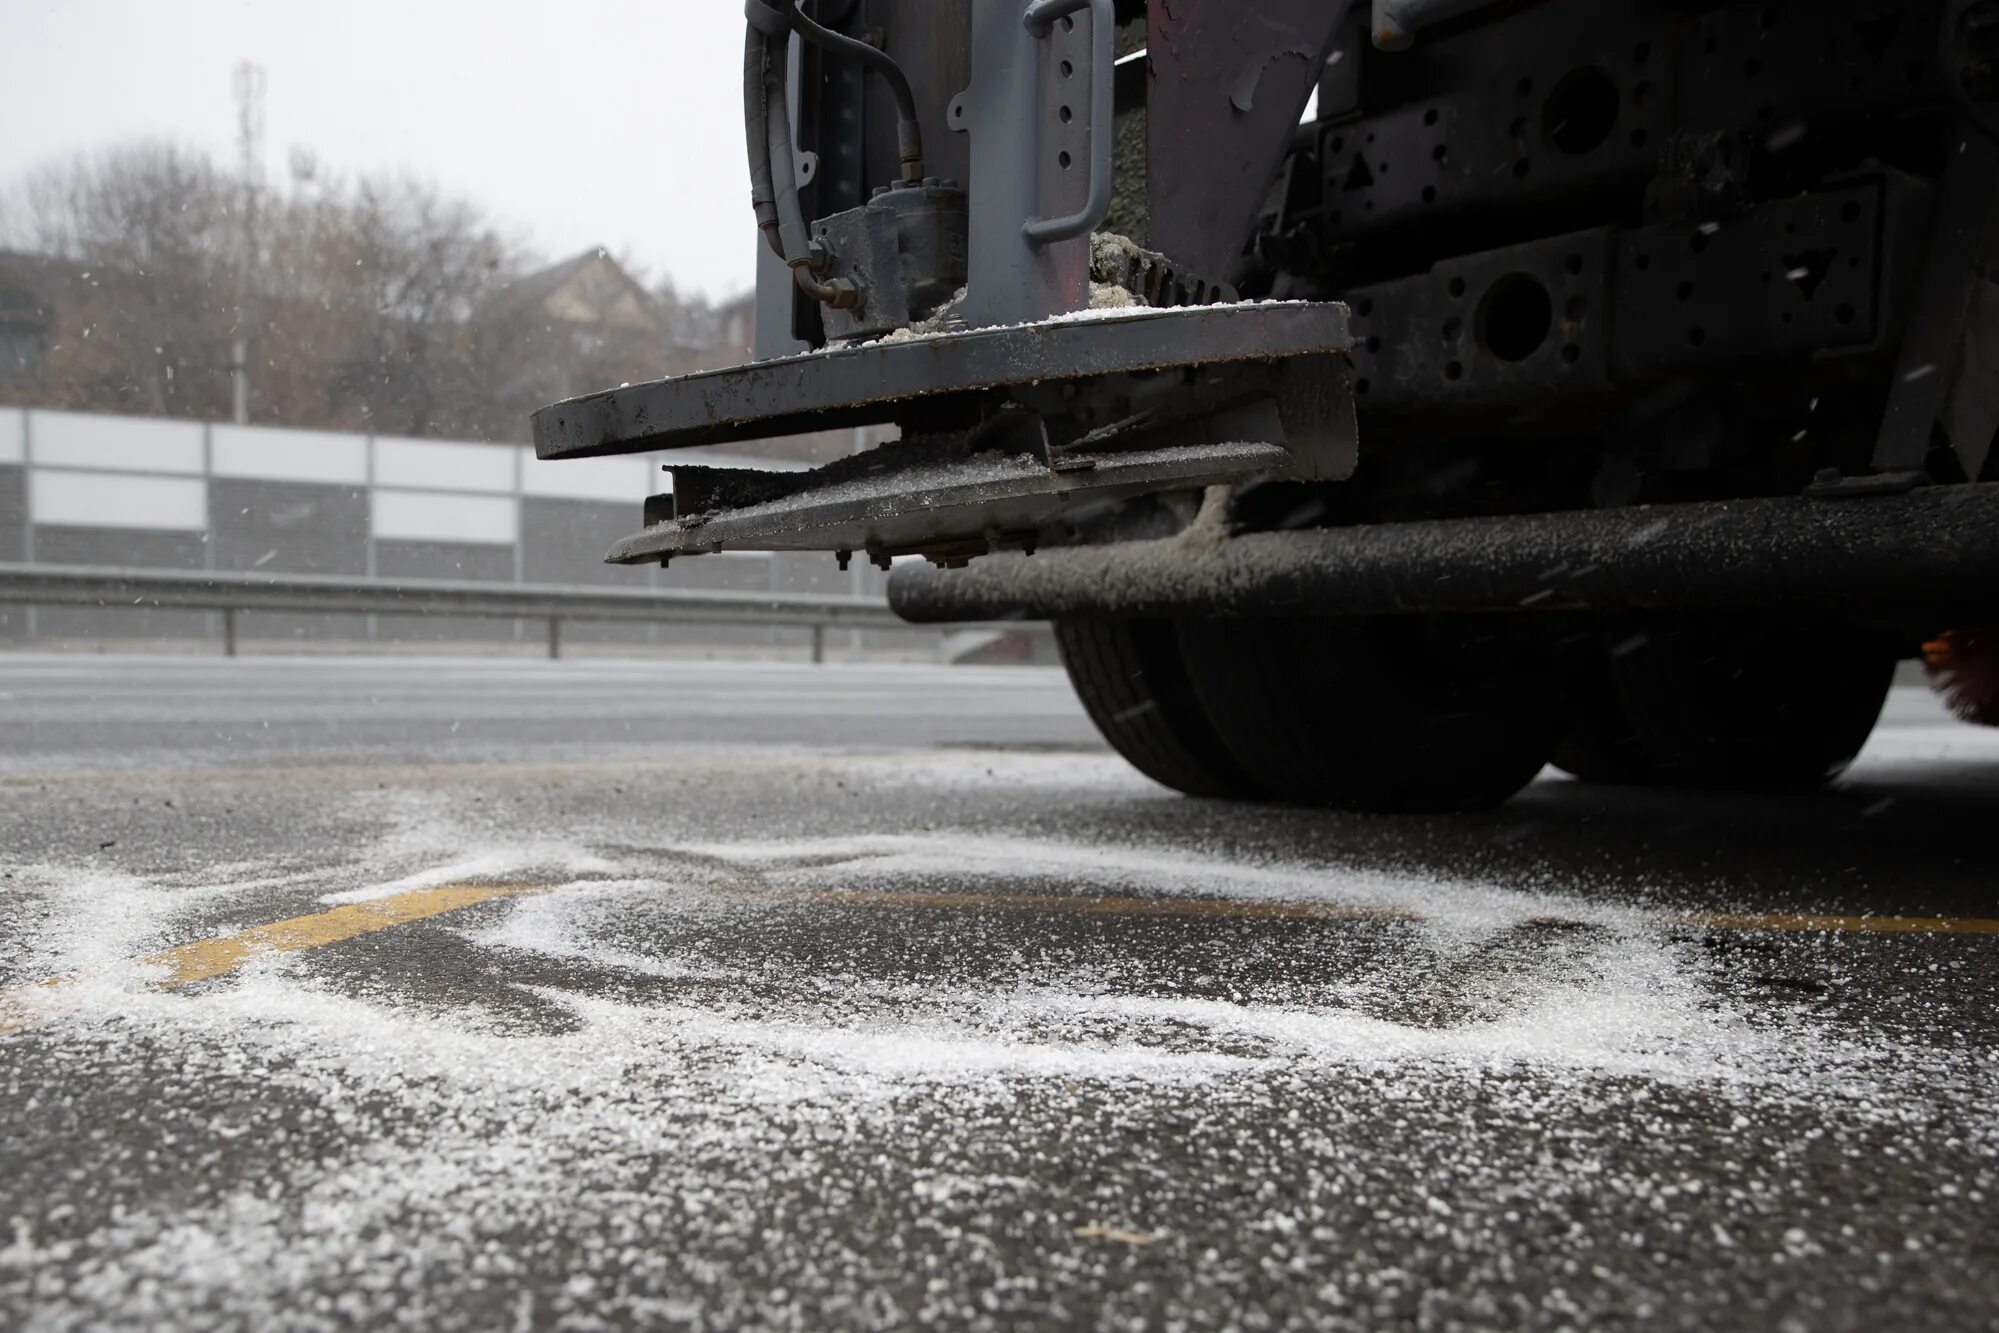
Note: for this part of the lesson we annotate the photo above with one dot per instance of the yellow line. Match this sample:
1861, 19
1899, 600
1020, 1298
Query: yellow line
185, 964
1237, 908
1843, 925
1097, 1231
1266, 909
20, 1009
189, 963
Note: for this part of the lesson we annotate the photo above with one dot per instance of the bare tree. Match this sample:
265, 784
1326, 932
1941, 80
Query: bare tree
363, 300
374, 304
143, 207
145, 305
407, 274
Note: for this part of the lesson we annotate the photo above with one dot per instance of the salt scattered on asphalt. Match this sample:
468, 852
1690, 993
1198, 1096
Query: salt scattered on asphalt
712, 1058
944, 860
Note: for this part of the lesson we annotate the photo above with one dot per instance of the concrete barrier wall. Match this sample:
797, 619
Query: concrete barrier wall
82, 488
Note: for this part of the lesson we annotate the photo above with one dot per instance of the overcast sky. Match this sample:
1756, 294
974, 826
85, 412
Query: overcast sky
572, 122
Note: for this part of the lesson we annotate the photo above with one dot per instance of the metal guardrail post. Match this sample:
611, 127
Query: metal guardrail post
230, 593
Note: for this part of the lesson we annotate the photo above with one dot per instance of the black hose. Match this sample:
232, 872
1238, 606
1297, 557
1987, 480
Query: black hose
909, 138
793, 239
767, 131
762, 198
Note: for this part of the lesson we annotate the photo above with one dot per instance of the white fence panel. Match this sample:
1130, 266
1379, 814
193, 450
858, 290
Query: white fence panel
266, 454
443, 465
111, 500
627, 479
126, 444
435, 516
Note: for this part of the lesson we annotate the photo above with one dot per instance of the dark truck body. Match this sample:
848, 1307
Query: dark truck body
1557, 328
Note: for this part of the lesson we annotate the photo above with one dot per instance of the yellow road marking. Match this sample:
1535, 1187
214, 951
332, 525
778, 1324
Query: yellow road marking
185, 964
1273, 909
1840, 925
1097, 1232
1243, 908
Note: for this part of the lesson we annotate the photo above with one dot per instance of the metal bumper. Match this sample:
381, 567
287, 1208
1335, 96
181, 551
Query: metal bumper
1934, 549
1006, 430
883, 381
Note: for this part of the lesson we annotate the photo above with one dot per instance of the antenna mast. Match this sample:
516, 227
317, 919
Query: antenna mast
249, 87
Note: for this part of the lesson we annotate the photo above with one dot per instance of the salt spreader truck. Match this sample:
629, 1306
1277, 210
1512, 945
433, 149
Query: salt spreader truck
1385, 401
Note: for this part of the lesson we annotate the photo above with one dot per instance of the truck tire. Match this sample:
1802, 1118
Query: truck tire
1398, 713
1713, 701
1130, 678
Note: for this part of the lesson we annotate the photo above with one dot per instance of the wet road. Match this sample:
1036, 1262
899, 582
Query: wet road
506, 994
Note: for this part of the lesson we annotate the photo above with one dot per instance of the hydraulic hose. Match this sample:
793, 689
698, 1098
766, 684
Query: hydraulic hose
908, 137
794, 241
767, 130
792, 236
762, 198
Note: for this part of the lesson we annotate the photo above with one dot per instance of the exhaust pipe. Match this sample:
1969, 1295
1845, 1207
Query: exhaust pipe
1932, 548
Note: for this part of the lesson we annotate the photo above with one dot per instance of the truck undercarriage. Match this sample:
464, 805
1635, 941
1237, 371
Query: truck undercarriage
1614, 382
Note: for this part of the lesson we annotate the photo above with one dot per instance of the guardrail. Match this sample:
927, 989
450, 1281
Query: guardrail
231, 593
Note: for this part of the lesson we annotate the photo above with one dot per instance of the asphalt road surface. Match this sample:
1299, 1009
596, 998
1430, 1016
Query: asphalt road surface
495, 994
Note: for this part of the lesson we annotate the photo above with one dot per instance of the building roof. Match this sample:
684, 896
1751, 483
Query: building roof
590, 288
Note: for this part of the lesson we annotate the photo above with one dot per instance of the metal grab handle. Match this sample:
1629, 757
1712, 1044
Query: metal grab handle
1040, 20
